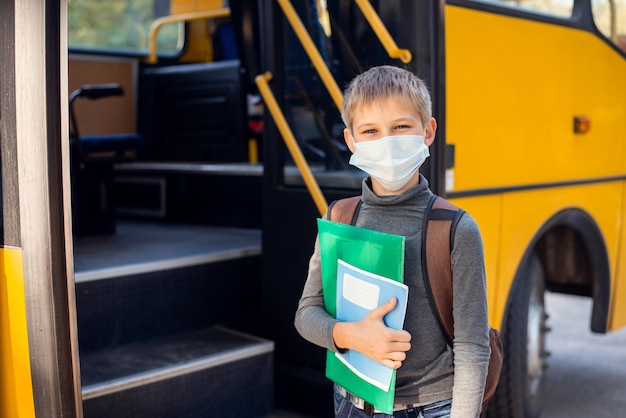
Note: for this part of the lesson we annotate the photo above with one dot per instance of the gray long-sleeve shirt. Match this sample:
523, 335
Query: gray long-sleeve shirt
432, 371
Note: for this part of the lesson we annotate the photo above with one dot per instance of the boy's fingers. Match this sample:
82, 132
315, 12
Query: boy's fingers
383, 309
392, 364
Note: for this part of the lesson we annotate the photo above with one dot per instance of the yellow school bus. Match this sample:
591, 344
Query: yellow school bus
164, 162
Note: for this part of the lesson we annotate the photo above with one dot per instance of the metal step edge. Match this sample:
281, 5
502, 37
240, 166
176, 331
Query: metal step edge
149, 267
157, 375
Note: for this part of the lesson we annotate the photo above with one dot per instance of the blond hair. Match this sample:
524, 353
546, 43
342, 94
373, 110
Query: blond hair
384, 82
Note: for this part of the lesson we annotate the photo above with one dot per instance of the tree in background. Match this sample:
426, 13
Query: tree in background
121, 25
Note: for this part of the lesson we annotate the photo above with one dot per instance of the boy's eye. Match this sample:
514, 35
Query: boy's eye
370, 131
399, 127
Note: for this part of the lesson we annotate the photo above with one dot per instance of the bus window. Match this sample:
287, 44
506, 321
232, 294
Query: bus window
559, 8
120, 26
347, 45
610, 19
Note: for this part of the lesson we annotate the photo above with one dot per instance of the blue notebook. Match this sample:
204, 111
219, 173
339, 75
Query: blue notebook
358, 292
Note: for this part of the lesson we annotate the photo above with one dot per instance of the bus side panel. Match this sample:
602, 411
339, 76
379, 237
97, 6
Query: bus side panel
524, 213
486, 210
514, 87
16, 394
617, 317
510, 222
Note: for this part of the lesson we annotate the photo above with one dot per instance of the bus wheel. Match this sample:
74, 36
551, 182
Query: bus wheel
523, 332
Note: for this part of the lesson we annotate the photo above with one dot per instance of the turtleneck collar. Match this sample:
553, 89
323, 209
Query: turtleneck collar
419, 191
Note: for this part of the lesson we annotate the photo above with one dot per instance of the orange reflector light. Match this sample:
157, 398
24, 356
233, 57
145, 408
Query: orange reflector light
582, 124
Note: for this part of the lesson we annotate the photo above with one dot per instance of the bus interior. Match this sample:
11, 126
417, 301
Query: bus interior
168, 194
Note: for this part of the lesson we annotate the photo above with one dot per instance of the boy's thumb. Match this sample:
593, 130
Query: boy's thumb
384, 309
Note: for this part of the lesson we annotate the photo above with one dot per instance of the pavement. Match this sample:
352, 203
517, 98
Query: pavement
586, 375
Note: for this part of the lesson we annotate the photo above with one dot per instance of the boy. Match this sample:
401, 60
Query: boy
387, 113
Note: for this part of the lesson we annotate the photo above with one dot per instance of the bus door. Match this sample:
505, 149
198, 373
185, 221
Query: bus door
311, 50
163, 295
167, 278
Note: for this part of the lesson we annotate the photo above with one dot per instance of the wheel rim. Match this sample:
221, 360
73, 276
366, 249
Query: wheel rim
536, 337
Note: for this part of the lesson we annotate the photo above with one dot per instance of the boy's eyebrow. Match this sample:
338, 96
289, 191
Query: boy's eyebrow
411, 119
362, 125
406, 119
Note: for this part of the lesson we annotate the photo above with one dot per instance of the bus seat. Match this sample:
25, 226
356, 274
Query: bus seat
92, 158
118, 147
225, 47
114, 147
193, 112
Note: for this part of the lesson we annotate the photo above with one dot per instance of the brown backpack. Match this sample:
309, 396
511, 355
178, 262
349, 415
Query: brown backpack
440, 223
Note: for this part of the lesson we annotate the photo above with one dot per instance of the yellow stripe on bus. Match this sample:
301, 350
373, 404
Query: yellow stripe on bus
16, 393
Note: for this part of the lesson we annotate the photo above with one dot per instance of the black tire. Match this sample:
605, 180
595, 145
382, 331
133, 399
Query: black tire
523, 339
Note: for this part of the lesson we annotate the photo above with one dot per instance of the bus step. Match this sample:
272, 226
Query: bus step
153, 280
216, 372
143, 247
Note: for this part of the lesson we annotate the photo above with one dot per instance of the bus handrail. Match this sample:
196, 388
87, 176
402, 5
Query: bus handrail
382, 33
309, 47
262, 81
312, 51
183, 17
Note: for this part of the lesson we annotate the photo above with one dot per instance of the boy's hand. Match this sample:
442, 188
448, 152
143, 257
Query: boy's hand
371, 337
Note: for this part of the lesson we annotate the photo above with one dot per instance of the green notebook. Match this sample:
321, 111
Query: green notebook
375, 252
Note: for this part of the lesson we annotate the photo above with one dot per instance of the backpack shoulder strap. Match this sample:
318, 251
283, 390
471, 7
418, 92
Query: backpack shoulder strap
346, 210
440, 223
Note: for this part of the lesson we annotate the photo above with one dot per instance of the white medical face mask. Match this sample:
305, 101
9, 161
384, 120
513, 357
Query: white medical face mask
392, 160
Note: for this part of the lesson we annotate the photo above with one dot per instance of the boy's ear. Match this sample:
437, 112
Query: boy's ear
431, 130
347, 136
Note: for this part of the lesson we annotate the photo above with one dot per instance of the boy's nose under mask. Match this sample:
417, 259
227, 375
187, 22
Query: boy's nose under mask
391, 160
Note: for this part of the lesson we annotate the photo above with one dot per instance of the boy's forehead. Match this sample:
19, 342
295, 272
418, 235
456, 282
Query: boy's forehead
387, 107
